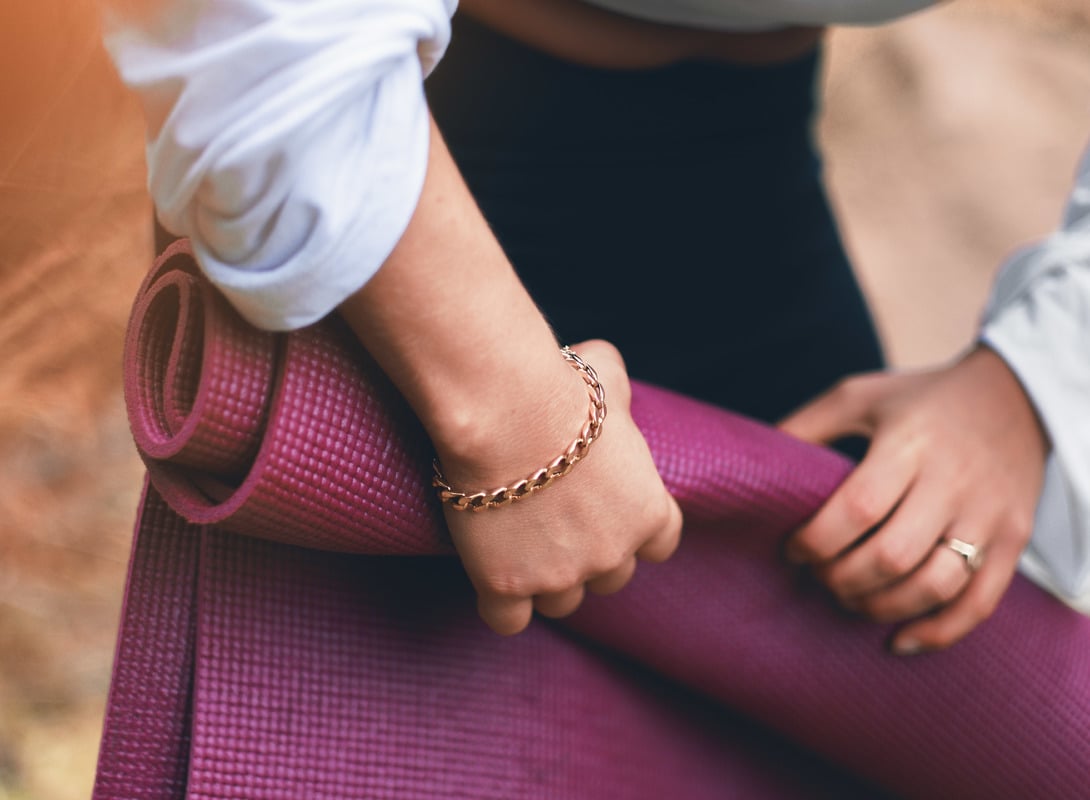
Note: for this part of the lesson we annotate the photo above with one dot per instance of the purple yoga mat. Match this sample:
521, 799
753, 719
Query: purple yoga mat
295, 627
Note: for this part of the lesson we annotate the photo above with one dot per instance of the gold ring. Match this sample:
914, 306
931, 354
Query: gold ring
972, 554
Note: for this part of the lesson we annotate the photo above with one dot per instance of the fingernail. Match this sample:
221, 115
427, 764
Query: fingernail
906, 647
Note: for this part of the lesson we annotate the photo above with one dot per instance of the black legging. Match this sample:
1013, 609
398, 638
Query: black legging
678, 212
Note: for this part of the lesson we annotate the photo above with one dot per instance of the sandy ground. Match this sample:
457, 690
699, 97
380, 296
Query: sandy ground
951, 139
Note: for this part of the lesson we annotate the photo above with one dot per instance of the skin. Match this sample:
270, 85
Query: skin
499, 403
956, 452
574, 31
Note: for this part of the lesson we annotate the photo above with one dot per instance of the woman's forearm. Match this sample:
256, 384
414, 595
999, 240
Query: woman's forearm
286, 138
291, 142
451, 324
449, 321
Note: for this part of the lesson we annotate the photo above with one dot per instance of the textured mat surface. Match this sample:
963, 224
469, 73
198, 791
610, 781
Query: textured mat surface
295, 626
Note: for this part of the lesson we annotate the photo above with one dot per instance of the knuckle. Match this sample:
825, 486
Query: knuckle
660, 549
867, 606
971, 614
891, 560
958, 482
655, 513
862, 507
858, 388
506, 621
892, 611
846, 388
672, 532
974, 617
1017, 525
621, 556
608, 582
557, 607
560, 580
609, 363
814, 549
941, 641
674, 541
505, 585
841, 581
508, 626
938, 591
609, 561
603, 348
663, 517
915, 441
948, 630
670, 549
985, 607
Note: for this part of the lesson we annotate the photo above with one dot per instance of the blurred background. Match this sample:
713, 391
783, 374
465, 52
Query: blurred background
951, 139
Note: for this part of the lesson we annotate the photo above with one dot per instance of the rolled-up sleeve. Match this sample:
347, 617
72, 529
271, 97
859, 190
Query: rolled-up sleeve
1038, 320
287, 138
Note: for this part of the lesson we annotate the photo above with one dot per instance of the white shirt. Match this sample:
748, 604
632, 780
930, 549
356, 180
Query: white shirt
288, 139
1038, 319
752, 15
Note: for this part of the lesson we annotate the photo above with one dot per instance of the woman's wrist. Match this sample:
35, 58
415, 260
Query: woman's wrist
993, 368
490, 495
451, 324
490, 439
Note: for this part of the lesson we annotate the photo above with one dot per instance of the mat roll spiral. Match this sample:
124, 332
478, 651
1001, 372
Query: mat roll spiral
295, 624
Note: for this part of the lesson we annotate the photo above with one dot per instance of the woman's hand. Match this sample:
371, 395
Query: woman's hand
956, 453
450, 323
583, 531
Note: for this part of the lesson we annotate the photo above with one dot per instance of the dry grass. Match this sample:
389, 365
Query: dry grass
73, 245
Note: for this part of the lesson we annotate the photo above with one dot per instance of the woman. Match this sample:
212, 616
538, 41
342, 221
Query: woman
647, 168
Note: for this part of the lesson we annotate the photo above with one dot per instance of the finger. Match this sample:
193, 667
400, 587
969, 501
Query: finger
614, 580
842, 411
505, 615
972, 607
663, 544
941, 579
866, 497
560, 604
900, 545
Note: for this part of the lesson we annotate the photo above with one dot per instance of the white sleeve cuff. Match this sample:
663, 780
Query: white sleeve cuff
287, 138
1038, 320
1044, 337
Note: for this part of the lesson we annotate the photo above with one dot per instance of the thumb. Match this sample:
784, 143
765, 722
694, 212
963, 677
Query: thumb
844, 410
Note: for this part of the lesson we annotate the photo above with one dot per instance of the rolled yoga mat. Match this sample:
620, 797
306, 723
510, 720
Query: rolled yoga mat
295, 625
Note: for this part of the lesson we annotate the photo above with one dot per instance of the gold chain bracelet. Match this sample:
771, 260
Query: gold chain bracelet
558, 467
